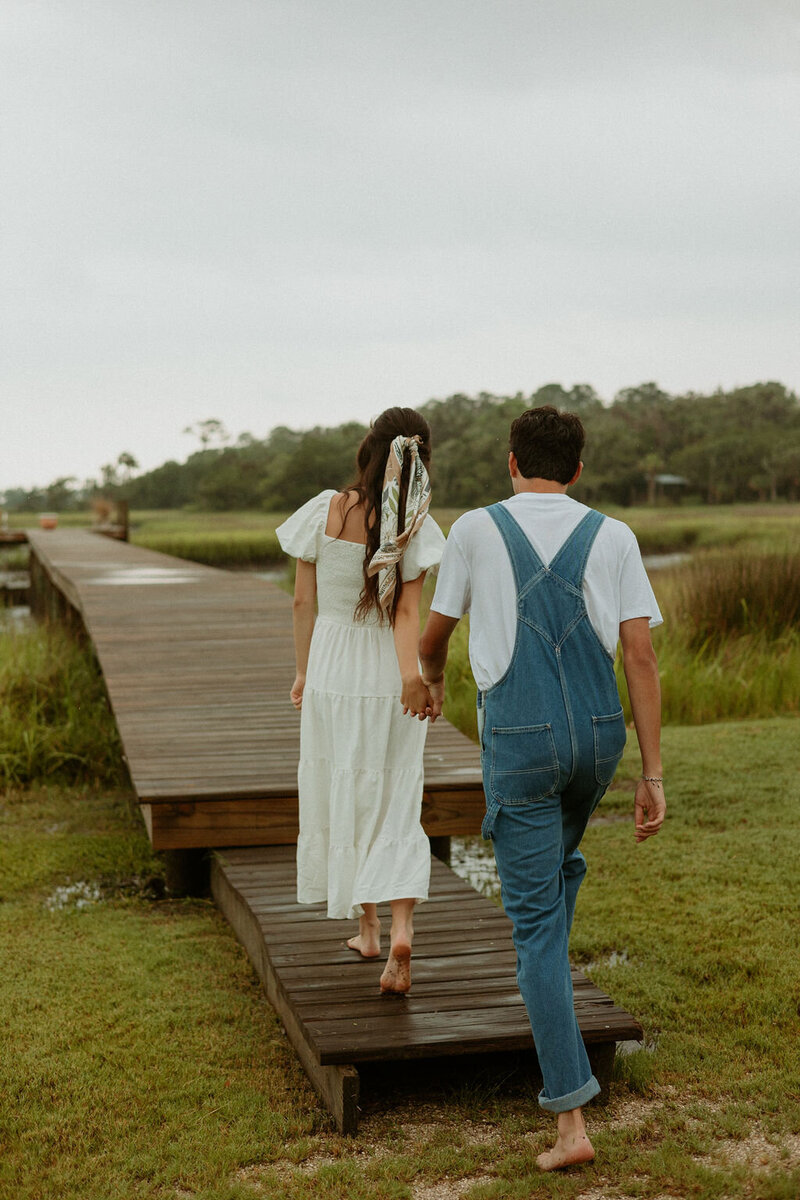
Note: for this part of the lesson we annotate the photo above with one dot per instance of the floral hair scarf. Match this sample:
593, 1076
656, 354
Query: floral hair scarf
393, 545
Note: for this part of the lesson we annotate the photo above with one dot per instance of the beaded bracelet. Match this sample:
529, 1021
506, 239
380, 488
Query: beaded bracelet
653, 778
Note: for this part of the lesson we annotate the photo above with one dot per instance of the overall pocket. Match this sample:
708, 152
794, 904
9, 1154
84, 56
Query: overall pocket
524, 764
609, 742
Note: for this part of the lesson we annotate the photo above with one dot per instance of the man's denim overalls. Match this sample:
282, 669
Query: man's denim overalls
552, 733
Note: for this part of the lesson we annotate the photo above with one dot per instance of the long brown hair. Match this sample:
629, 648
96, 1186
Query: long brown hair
368, 486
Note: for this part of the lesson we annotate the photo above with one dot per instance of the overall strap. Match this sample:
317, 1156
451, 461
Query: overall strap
570, 562
524, 559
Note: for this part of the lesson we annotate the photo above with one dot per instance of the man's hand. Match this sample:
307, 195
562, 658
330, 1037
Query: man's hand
433, 656
650, 808
415, 698
436, 689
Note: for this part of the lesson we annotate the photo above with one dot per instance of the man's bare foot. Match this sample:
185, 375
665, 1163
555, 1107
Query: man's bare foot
396, 976
367, 941
572, 1144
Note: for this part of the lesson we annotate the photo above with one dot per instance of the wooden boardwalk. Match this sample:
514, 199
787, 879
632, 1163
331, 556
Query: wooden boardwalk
464, 997
197, 664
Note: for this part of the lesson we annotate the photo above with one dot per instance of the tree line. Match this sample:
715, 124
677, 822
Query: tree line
646, 446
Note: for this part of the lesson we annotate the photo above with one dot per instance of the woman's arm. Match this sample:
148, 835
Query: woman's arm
305, 594
415, 697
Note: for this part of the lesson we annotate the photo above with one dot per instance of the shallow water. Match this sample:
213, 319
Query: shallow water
16, 617
473, 859
657, 562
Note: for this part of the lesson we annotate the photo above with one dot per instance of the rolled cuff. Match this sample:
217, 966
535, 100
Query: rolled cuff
575, 1099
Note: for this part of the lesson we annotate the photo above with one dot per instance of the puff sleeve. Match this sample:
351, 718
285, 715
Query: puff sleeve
424, 552
301, 535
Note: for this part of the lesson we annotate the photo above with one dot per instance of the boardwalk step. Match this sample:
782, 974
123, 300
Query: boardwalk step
464, 998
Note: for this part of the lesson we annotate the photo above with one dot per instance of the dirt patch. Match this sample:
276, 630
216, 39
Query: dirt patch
601, 1194
757, 1152
379, 1139
448, 1189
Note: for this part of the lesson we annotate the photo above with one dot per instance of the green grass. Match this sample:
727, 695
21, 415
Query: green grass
55, 723
138, 1057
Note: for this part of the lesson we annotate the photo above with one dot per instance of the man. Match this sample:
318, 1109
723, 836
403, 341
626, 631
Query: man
550, 586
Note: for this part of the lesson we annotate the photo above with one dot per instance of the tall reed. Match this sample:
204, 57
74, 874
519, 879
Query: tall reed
216, 548
55, 723
720, 596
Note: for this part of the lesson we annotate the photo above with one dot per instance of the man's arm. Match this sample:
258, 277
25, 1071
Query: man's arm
433, 655
641, 673
415, 697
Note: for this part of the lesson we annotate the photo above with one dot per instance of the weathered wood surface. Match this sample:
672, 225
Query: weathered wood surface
464, 997
198, 663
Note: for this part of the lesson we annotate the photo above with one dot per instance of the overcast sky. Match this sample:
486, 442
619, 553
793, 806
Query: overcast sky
301, 212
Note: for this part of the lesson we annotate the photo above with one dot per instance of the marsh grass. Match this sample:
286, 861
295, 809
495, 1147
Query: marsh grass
55, 722
730, 644
703, 527
14, 558
721, 596
237, 540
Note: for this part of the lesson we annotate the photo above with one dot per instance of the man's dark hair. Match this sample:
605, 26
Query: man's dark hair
547, 443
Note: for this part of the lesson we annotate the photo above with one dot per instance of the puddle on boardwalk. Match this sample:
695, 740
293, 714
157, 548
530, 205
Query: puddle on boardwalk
272, 575
126, 576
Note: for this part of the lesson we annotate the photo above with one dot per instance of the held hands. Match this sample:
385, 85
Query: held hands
296, 694
650, 807
415, 698
423, 698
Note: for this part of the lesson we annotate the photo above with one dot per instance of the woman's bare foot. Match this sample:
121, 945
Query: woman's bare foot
396, 976
367, 941
572, 1144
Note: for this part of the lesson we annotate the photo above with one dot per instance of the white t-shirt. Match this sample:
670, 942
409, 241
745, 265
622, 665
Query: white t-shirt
476, 576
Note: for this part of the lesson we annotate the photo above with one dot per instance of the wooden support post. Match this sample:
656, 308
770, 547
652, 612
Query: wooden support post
440, 848
337, 1086
123, 520
186, 872
601, 1060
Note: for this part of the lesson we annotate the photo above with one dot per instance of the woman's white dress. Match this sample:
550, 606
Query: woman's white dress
360, 772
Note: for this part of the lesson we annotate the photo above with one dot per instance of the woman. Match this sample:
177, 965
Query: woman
362, 556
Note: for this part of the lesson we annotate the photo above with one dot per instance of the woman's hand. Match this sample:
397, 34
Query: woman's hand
296, 694
415, 698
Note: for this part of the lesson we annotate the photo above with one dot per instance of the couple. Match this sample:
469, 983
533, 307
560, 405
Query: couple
551, 587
